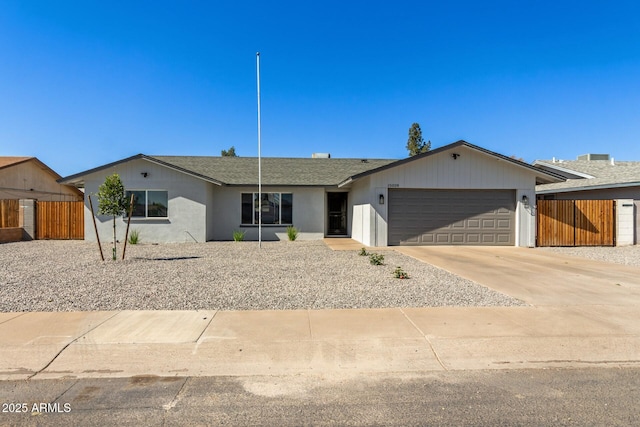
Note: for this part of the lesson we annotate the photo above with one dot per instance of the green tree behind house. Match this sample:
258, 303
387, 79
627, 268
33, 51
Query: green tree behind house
231, 152
416, 143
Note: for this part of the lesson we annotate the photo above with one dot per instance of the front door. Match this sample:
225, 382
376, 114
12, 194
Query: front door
337, 213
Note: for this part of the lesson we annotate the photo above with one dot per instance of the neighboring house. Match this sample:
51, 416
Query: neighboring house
29, 178
456, 194
593, 177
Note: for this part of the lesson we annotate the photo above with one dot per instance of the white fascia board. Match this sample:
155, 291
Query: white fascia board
561, 169
345, 182
590, 187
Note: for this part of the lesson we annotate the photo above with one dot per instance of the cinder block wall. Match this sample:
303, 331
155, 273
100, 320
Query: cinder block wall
625, 222
28, 218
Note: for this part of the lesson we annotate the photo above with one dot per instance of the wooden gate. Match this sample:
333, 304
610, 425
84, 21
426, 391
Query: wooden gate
60, 220
575, 223
9, 213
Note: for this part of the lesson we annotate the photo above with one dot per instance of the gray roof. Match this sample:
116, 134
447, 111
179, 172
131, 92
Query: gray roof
275, 170
603, 173
244, 170
292, 171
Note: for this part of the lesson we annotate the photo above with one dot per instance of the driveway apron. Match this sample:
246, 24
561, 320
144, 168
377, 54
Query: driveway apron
535, 276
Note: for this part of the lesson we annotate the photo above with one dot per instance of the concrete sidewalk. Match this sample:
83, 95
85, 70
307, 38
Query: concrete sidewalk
583, 313
203, 343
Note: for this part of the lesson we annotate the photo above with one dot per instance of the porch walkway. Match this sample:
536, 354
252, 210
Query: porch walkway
343, 244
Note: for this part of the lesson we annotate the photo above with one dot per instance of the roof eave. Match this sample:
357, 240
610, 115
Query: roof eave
588, 188
78, 178
546, 177
561, 169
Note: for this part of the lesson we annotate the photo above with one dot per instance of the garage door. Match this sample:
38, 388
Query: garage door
451, 217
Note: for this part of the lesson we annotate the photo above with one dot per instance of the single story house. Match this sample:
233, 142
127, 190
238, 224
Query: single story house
594, 177
458, 194
29, 178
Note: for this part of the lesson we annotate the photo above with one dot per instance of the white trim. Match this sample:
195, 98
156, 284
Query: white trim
561, 169
589, 187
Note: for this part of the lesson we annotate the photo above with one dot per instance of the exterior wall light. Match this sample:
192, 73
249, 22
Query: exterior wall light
381, 199
525, 200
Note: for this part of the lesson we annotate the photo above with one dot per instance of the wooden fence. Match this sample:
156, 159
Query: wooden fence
575, 223
60, 220
9, 213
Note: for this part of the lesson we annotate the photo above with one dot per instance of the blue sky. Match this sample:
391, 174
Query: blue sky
85, 83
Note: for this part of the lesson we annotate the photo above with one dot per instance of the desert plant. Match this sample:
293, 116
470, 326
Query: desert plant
363, 252
399, 273
134, 237
376, 259
238, 236
292, 233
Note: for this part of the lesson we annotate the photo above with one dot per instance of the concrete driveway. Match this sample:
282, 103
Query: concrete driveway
537, 277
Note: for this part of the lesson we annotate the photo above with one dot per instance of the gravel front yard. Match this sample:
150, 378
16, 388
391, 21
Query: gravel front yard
626, 255
69, 276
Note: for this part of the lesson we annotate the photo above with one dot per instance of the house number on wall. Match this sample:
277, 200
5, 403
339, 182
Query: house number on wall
393, 185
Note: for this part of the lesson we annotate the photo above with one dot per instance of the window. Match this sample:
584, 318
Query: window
149, 203
277, 208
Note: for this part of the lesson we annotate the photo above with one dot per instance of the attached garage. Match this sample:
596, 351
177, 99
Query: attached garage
452, 217
459, 194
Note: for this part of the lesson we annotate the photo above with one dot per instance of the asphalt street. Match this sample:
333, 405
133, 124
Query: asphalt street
533, 397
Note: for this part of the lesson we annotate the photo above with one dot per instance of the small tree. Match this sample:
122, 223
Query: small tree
415, 143
231, 152
112, 201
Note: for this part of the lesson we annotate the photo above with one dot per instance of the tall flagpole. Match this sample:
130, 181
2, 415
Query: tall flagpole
259, 158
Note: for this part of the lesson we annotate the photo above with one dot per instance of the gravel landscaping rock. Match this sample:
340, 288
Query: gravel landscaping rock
626, 255
69, 276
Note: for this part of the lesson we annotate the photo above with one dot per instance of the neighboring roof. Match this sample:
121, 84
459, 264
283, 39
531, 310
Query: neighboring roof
603, 174
244, 170
541, 175
10, 161
7, 162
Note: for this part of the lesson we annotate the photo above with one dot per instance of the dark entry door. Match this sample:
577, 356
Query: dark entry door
337, 213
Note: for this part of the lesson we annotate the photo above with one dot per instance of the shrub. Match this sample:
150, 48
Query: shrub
363, 252
376, 259
399, 273
238, 236
134, 237
292, 233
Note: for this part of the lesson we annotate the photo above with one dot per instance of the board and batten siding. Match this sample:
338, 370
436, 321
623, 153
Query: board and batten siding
187, 208
471, 170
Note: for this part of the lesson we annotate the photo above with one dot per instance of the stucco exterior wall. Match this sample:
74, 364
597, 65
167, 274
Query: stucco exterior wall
308, 213
28, 180
471, 170
187, 208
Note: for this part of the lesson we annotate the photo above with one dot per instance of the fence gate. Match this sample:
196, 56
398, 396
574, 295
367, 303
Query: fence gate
575, 223
9, 213
60, 220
